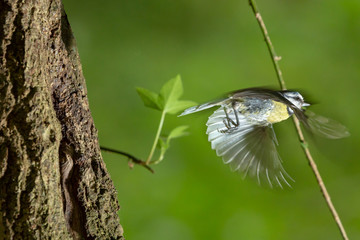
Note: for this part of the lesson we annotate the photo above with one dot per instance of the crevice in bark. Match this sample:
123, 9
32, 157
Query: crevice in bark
5, 8
15, 57
66, 32
74, 215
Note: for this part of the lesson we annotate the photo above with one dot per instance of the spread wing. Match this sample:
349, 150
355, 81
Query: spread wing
261, 93
325, 127
249, 148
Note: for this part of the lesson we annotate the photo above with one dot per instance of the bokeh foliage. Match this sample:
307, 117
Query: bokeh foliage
217, 47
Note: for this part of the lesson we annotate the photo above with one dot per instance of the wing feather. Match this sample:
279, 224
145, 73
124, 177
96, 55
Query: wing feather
249, 149
325, 127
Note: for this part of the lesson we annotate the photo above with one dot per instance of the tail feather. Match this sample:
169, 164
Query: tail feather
200, 107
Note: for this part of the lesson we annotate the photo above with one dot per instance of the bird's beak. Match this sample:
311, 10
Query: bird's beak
305, 104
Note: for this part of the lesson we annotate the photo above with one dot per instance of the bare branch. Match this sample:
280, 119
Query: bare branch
130, 157
275, 59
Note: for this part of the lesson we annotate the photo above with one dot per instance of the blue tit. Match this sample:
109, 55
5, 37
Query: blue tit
241, 130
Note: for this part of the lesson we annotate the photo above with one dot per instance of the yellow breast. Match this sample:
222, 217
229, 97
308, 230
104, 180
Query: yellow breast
278, 113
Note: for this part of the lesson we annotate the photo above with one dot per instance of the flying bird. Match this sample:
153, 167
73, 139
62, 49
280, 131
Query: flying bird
241, 130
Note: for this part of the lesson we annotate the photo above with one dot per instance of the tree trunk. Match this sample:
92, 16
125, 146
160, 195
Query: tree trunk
53, 181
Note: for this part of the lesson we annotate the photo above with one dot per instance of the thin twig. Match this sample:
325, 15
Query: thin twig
156, 140
130, 157
275, 60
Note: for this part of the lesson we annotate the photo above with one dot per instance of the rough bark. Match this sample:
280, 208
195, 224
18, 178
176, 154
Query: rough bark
53, 181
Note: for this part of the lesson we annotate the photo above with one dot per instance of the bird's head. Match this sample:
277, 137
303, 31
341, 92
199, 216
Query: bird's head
295, 98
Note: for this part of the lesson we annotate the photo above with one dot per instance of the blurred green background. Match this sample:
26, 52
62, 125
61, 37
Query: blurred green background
217, 47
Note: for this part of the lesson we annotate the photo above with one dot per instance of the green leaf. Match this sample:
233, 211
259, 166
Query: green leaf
304, 145
177, 132
164, 142
149, 98
179, 106
163, 147
170, 93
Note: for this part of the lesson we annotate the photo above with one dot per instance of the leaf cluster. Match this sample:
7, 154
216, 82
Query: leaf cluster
168, 98
168, 102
